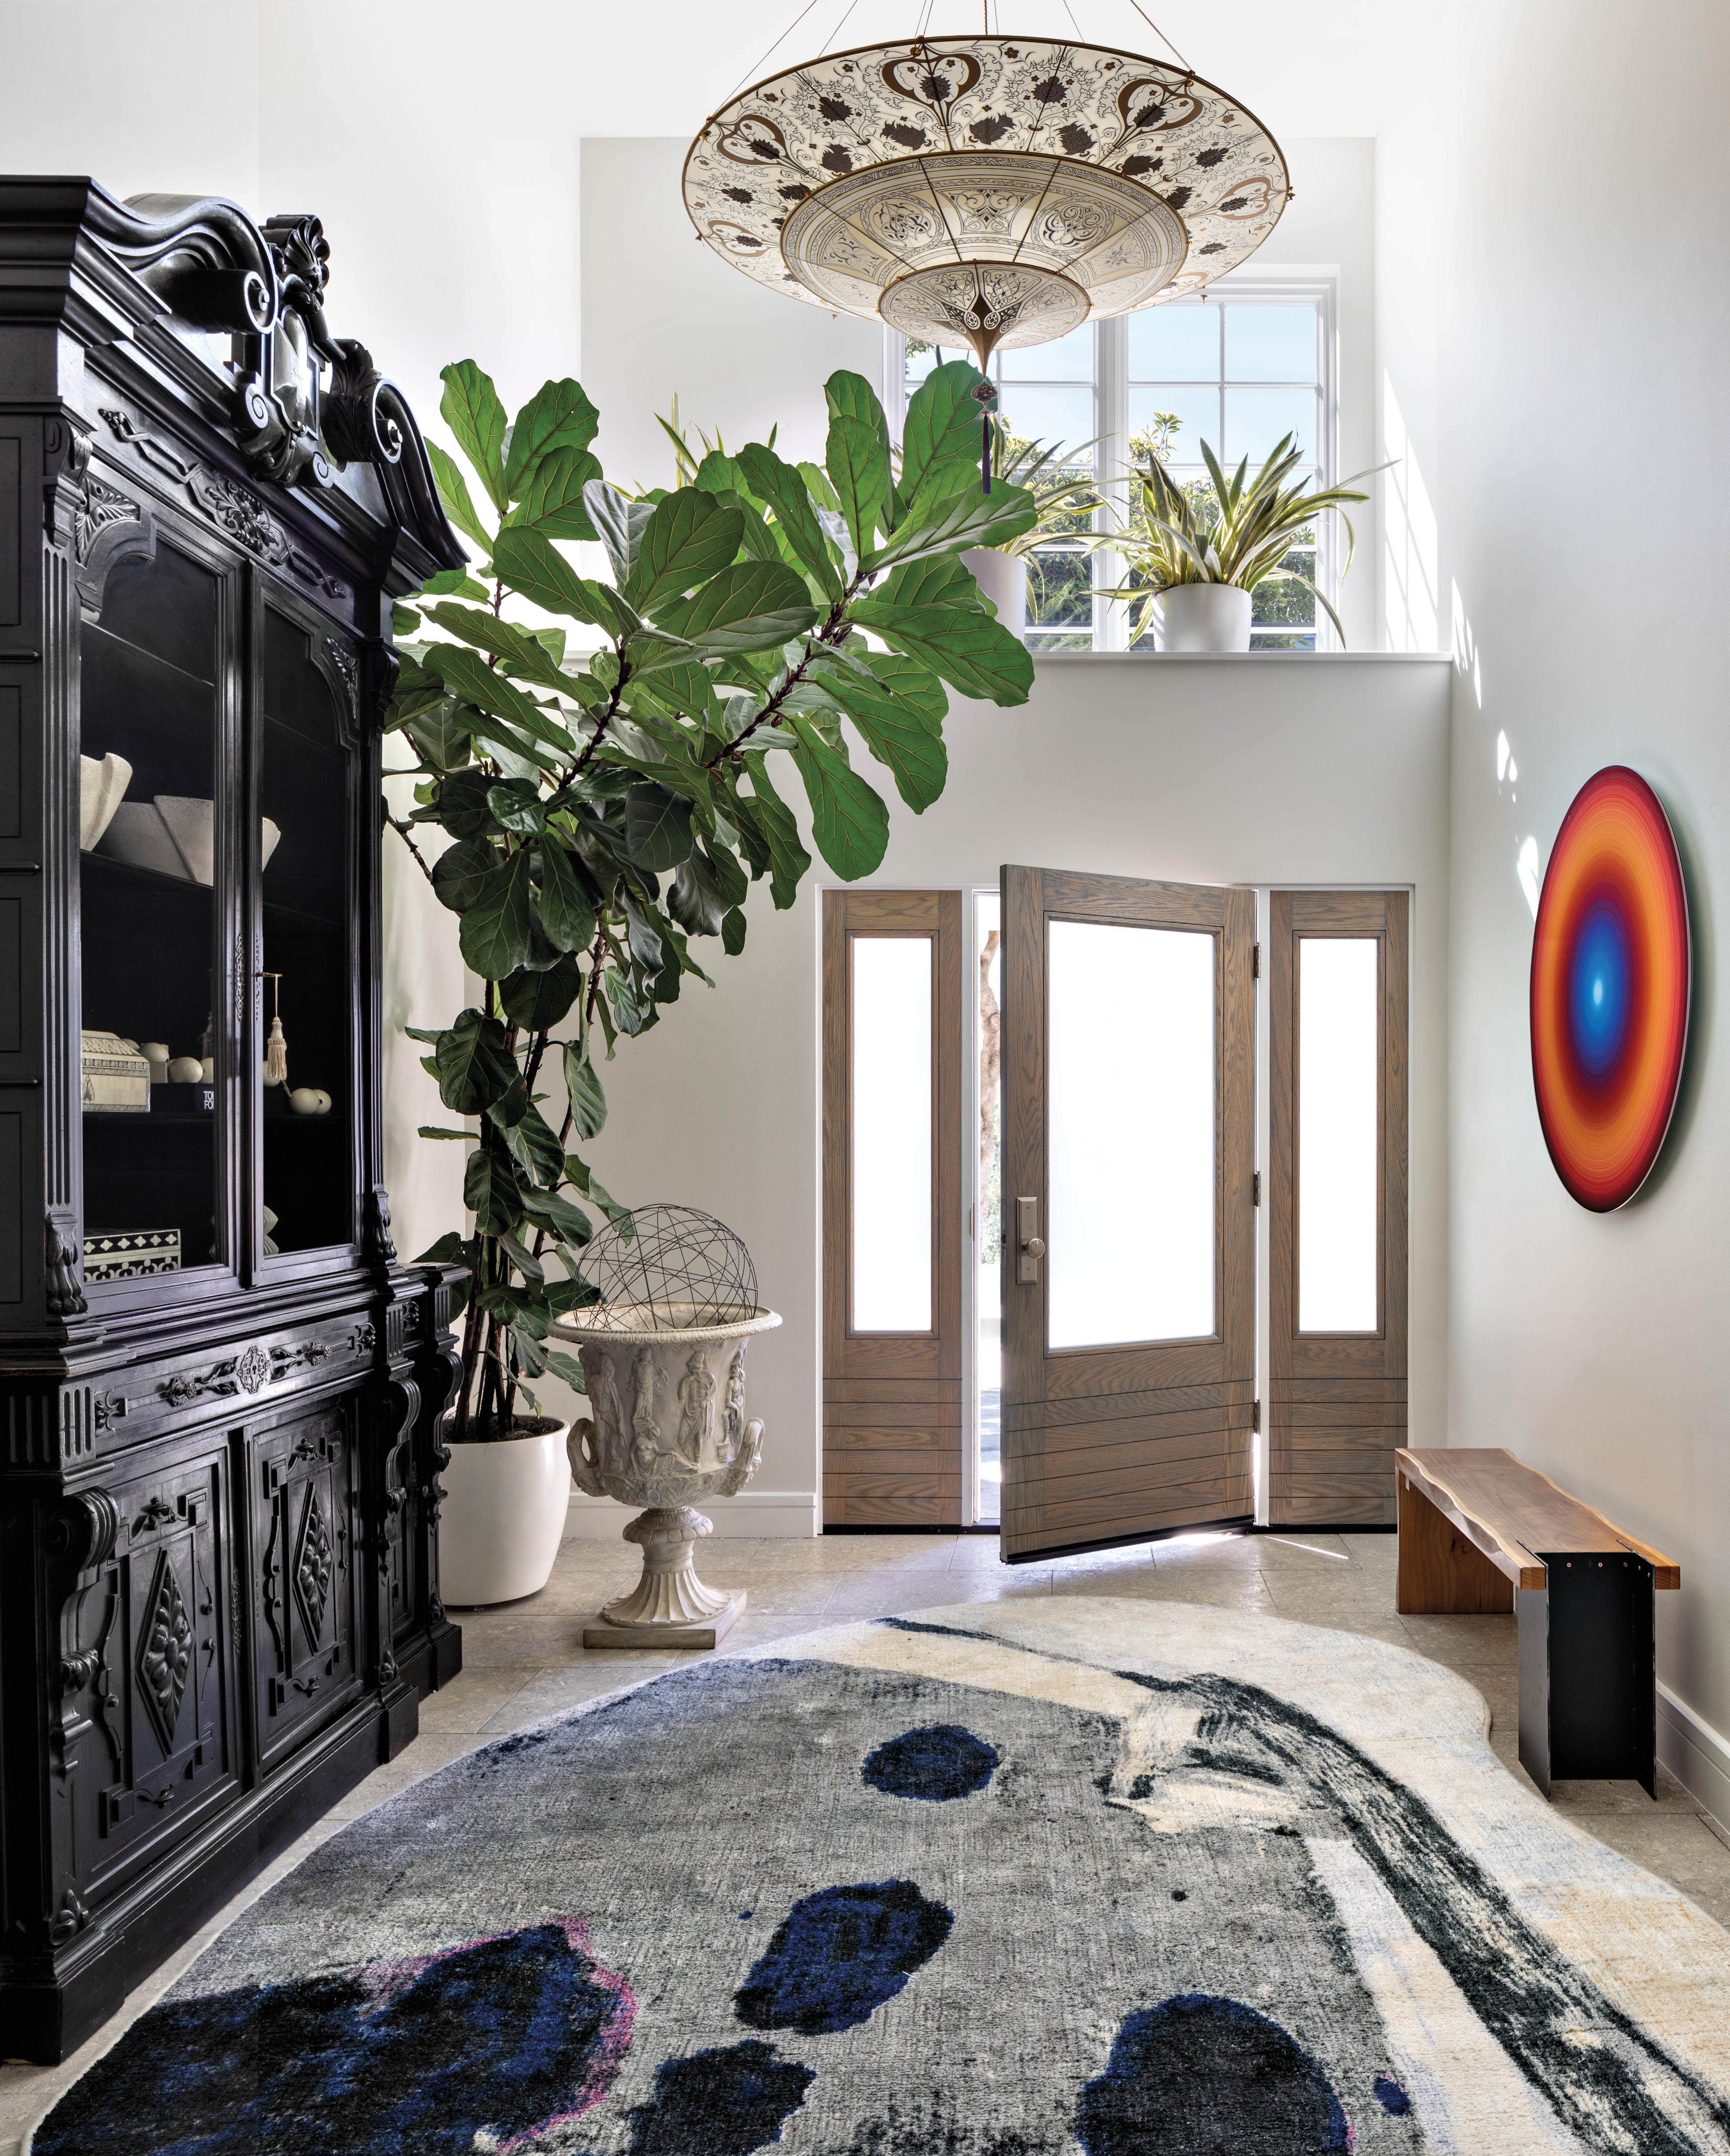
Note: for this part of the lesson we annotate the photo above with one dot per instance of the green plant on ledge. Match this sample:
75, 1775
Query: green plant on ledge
1237, 532
609, 810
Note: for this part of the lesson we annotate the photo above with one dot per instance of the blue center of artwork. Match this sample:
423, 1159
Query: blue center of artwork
838, 1954
935, 1764
1600, 991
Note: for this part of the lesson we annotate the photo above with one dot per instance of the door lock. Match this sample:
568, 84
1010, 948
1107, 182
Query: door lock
1031, 1245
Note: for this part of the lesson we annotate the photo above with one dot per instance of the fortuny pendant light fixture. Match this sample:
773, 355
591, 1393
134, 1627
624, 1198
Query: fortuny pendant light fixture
987, 190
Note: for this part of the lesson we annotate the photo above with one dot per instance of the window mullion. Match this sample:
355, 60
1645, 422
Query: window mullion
1110, 373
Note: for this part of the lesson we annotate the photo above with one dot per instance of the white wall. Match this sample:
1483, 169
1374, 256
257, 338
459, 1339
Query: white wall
1556, 308
1275, 768
663, 315
1330, 225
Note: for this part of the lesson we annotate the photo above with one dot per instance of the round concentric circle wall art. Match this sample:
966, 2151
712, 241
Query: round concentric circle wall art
1610, 974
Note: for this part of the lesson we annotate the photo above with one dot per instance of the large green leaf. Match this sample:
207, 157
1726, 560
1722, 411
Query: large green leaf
440, 737
558, 416
468, 674
753, 606
657, 827
491, 1192
690, 537
565, 913
787, 859
534, 1145
495, 935
938, 580
851, 396
552, 500
463, 808
454, 492
461, 872
848, 821
472, 411
940, 439
517, 804
898, 734
621, 523
530, 563
579, 1173
974, 518
781, 487
474, 1068
583, 1084
721, 474
568, 1222
913, 684
503, 640
538, 1001
971, 651
858, 463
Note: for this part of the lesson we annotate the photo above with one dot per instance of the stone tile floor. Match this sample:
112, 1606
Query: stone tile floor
522, 1661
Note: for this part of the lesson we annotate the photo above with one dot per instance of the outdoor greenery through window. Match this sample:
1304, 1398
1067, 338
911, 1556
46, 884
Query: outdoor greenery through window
1046, 394
1238, 369
1238, 374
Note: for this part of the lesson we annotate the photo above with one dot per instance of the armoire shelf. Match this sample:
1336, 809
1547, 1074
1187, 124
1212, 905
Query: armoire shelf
218, 1481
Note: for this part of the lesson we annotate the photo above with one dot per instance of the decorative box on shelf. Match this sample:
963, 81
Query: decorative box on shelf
216, 1426
116, 1077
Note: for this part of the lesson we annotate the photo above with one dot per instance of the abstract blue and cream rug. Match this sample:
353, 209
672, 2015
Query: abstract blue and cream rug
995, 1880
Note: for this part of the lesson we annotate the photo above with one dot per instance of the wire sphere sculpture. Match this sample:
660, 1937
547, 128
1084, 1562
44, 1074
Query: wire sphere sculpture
670, 1269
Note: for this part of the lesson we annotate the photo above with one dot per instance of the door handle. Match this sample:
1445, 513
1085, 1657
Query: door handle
1030, 1244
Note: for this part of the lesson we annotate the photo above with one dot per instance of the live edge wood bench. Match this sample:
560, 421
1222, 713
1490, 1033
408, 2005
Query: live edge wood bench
1481, 1533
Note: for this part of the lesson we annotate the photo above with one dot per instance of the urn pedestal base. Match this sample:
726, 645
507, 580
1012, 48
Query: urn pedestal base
668, 1606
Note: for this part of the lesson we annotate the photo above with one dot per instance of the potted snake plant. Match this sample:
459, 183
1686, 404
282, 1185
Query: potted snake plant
1195, 554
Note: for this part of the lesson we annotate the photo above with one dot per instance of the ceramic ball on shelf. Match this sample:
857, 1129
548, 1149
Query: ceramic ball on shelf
156, 1053
270, 1076
304, 1101
324, 1100
207, 1071
186, 1070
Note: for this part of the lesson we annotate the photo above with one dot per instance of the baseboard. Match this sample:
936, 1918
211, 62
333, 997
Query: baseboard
753, 1515
1697, 1755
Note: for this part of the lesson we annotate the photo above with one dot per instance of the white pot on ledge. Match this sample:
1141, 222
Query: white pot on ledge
666, 1425
1203, 617
1002, 578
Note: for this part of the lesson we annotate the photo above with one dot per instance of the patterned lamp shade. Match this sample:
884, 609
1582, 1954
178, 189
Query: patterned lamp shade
985, 190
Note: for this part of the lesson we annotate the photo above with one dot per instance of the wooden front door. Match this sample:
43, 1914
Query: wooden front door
1128, 1209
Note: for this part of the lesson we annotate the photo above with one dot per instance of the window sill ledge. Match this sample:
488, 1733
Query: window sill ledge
1242, 657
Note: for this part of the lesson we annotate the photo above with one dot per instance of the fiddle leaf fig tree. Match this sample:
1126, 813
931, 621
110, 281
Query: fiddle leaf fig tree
617, 762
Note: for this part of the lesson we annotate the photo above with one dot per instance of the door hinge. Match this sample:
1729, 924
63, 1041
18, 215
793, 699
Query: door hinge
1254, 962
1255, 1415
1255, 1185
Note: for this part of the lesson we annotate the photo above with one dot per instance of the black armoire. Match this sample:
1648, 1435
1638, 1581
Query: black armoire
219, 1492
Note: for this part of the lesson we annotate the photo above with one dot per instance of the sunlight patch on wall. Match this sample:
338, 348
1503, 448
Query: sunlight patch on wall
1410, 549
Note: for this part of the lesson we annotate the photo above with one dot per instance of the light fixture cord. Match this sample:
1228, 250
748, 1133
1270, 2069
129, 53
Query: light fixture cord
836, 32
1162, 36
755, 74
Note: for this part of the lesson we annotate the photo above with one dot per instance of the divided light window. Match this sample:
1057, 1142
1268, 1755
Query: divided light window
1236, 369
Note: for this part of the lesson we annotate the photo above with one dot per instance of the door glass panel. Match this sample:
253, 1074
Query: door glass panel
1131, 1144
1339, 1062
308, 1105
148, 773
988, 1243
892, 1134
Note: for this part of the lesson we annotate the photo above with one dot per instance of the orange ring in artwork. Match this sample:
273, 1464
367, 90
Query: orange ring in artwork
1611, 978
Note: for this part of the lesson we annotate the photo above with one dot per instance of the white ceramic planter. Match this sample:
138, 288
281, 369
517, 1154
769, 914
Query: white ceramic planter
503, 1516
1002, 578
1204, 618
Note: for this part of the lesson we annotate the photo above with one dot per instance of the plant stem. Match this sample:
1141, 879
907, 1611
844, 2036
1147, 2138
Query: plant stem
406, 836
